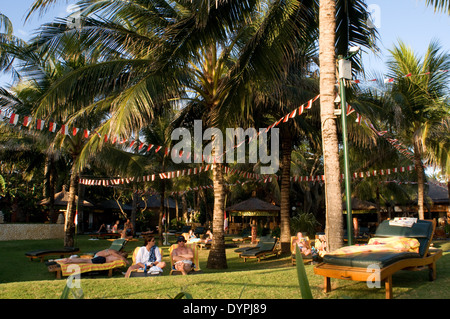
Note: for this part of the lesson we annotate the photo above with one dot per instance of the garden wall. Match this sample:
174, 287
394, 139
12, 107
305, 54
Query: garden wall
31, 231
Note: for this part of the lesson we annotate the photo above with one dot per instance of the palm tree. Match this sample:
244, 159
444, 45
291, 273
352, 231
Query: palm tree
417, 102
335, 38
439, 5
165, 67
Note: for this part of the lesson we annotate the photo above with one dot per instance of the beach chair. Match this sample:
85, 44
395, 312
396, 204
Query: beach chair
245, 236
140, 272
68, 269
41, 254
196, 265
200, 230
257, 246
266, 247
64, 270
306, 259
105, 235
379, 266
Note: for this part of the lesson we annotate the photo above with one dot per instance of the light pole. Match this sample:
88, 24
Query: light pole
345, 73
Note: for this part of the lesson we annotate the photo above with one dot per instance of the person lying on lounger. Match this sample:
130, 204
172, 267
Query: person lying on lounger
101, 257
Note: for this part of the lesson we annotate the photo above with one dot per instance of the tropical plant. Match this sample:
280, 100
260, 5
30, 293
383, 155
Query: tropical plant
304, 222
439, 5
416, 103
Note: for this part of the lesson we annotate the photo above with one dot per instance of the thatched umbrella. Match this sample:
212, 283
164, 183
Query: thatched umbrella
62, 198
360, 205
253, 207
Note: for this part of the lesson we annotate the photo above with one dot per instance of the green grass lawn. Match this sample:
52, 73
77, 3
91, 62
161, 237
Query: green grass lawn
272, 278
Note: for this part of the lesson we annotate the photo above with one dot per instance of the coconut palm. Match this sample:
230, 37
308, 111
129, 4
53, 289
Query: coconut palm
158, 64
417, 103
439, 5
332, 42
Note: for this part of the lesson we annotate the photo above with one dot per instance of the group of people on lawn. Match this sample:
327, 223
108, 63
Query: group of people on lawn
148, 257
126, 232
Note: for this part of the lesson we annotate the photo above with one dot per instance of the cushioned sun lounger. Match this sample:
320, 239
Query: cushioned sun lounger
257, 246
245, 236
40, 254
61, 269
105, 235
379, 266
266, 247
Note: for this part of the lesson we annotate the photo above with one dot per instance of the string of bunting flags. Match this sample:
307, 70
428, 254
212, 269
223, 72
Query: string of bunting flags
392, 80
52, 127
227, 170
138, 145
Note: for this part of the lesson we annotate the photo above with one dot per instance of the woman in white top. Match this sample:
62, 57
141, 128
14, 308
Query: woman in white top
148, 257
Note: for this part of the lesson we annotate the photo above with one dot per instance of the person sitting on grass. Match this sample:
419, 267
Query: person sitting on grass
183, 256
148, 256
101, 257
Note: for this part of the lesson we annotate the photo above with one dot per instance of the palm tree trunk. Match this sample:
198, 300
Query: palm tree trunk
286, 148
217, 258
49, 187
161, 213
184, 205
69, 226
81, 193
134, 208
327, 60
420, 180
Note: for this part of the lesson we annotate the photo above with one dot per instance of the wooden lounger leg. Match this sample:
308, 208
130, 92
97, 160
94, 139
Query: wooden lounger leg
432, 271
388, 286
327, 285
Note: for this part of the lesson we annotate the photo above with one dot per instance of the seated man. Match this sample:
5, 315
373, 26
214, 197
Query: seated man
182, 256
101, 257
208, 237
303, 244
147, 257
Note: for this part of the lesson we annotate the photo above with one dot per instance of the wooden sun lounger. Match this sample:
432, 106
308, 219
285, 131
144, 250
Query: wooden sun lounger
106, 235
380, 266
61, 270
264, 249
41, 254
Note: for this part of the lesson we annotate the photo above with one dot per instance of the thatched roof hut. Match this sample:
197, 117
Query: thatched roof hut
62, 198
253, 207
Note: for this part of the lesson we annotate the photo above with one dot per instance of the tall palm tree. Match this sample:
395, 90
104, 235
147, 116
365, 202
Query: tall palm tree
335, 38
165, 68
158, 54
417, 102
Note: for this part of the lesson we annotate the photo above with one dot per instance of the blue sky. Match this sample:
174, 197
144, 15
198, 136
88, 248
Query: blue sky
408, 20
